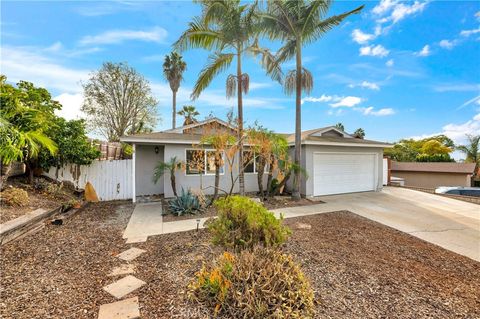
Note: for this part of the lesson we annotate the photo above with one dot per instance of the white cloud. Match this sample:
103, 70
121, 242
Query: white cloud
366, 85
447, 44
22, 63
377, 50
155, 34
384, 6
467, 33
322, 98
475, 100
477, 15
390, 63
371, 111
457, 87
360, 37
424, 52
395, 11
348, 101
71, 105
258, 85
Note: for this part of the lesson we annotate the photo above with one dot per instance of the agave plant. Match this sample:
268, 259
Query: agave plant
185, 204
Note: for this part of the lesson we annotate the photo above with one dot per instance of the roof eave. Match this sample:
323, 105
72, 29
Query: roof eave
386, 145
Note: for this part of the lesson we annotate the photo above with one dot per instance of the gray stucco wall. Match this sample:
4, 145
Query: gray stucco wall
307, 161
145, 161
197, 182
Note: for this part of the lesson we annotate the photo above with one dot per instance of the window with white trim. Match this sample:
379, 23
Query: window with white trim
250, 160
201, 162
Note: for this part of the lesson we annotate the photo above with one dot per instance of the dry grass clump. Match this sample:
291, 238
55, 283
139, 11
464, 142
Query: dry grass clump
257, 283
14, 197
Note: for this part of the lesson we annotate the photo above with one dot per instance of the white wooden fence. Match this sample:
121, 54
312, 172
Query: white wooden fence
111, 179
385, 171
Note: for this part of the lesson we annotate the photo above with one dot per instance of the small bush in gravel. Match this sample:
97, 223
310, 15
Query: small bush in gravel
14, 197
243, 223
258, 283
185, 204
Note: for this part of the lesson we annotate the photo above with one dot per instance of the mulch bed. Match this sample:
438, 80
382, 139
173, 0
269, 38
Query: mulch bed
38, 198
358, 269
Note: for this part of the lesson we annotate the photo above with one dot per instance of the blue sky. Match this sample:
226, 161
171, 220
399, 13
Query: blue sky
399, 69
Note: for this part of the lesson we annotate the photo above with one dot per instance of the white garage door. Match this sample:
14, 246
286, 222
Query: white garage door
336, 173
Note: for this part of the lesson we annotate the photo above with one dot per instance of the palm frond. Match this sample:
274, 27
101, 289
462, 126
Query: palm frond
199, 35
267, 61
314, 32
217, 63
290, 84
231, 86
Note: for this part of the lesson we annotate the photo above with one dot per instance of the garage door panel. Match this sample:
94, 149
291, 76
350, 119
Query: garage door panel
336, 173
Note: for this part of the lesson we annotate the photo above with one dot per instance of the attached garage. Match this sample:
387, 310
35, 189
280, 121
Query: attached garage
338, 163
337, 173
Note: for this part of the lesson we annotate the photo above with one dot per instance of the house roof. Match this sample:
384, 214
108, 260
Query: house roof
313, 137
459, 168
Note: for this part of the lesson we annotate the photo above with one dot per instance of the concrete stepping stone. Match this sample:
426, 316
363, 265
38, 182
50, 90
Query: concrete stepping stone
122, 270
124, 286
125, 309
134, 240
130, 254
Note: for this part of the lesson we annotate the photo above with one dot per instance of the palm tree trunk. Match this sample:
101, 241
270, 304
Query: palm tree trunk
260, 170
298, 122
270, 174
240, 122
217, 182
174, 109
174, 184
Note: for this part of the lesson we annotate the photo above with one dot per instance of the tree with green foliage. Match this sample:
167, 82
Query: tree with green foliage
118, 101
171, 166
189, 112
227, 27
359, 133
72, 142
173, 68
340, 126
427, 149
298, 23
25, 116
472, 149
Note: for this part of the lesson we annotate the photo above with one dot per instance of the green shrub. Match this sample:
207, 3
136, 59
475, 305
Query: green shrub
185, 204
261, 283
14, 197
434, 158
243, 223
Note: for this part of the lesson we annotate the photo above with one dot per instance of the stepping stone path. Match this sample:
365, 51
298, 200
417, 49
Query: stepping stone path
130, 254
134, 240
122, 270
125, 309
124, 286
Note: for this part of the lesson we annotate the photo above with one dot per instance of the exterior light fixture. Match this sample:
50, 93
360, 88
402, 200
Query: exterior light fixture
156, 149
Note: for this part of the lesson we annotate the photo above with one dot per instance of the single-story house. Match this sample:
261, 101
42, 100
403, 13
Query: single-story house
335, 161
433, 175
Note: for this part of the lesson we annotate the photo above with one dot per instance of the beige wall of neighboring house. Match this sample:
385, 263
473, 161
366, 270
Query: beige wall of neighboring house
433, 179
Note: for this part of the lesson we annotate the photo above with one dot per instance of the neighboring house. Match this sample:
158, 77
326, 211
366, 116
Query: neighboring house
336, 162
433, 175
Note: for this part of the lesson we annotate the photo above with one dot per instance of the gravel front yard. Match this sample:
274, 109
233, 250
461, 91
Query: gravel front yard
358, 269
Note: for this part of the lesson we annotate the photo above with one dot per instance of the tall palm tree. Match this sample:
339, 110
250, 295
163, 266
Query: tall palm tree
188, 112
298, 23
472, 149
228, 28
173, 68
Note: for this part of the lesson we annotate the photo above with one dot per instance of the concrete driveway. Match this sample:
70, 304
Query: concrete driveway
449, 223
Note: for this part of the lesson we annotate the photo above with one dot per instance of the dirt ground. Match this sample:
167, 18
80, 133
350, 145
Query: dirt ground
39, 197
358, 269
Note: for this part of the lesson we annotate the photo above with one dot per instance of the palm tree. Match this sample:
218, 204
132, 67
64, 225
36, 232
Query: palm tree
359, 133
173, 69
297, 23
340, 126
171, 166
22, 127
189, 112
229, 28
472, 150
